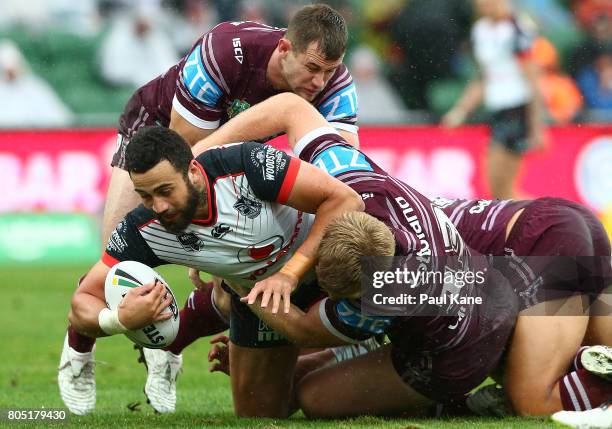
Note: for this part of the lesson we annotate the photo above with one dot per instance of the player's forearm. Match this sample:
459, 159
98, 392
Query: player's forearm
84, 314
282, 113
471, 98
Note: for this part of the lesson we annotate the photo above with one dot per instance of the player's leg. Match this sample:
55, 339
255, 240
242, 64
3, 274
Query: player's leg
200, 317
539, 356
366, 385
502, 169
262, 380
120, 199
76, 375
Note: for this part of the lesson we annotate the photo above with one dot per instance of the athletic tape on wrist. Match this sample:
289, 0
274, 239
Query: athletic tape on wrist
109, 322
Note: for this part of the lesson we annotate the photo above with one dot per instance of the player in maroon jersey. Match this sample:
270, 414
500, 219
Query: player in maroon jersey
555, 252
231, 67
546, 227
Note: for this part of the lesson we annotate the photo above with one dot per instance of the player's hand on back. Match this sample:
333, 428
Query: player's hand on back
144, 305
278, 286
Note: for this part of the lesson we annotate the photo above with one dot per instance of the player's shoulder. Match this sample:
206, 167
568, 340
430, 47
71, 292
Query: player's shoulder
225, 160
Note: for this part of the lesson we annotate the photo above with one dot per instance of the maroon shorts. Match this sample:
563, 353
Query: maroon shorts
557, 249
149, 105
447, 374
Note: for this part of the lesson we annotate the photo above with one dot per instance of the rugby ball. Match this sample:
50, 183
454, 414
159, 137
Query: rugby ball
129, 274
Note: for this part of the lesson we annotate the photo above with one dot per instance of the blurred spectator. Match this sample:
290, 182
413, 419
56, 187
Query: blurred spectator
192, 19
428, 32
598, 35
379, 103
27, 100
589, 11
560, 93
136, 49
502, 44
595, 82
253, 10
80, 17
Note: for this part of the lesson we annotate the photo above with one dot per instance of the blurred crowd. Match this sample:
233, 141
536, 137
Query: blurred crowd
67, 63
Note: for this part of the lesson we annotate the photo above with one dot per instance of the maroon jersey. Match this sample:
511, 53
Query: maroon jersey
224, 74
421, 230
481, 223
442, 354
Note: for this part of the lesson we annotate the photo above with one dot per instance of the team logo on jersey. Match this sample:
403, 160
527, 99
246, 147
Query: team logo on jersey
248, 207
220, 230
190, 242
262, 250
236, 107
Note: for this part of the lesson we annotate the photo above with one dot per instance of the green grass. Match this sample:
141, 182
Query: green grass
35, 303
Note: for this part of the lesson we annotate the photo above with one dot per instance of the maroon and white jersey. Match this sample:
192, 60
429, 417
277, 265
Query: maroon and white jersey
225, 73
481, 223
422, 232
249, 234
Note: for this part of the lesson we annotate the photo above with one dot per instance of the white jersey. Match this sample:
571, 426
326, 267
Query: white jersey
498, 46
248, 235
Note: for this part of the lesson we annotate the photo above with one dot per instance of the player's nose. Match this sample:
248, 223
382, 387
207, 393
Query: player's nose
160, 205
318, 81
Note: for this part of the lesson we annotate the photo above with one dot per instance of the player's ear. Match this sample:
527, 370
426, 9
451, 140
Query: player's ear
193, 170
284, 46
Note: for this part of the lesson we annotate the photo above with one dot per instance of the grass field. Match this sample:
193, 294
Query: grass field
33, 316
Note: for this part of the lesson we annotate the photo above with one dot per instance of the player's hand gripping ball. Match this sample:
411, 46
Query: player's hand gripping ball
129, 274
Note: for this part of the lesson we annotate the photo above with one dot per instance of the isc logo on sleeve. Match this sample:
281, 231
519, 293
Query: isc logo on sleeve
340, 159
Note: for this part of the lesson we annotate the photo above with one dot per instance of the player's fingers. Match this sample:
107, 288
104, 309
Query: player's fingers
276, 297
252, 296
163, 316
219, 339
265, 298
287, 300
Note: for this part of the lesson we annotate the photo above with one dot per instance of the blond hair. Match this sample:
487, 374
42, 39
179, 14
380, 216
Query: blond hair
346, 240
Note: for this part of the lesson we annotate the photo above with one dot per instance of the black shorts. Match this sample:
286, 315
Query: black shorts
557, 249
509, 128
247, 330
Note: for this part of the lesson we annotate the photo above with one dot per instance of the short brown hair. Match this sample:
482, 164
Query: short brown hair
346, 240
322, 24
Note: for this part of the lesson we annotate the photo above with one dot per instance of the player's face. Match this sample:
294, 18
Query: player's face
169, 194
308, 72
488, 8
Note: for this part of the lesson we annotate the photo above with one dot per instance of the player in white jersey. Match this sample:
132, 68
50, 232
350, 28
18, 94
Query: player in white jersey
239, 212
508, 85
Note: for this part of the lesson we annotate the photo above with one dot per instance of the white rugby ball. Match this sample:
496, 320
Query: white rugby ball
129, 274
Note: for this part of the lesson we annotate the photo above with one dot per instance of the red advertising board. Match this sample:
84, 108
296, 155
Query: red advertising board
68, 171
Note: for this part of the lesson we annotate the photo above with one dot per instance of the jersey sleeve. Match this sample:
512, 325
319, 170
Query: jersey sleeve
203, 81
339, 102
271, 172
127, 244
326, 149
344, 320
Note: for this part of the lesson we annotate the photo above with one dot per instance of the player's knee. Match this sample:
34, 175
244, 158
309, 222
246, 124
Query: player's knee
532, 400
311, 400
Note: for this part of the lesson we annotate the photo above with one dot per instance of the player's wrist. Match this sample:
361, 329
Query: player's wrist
297, 266
109, 322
